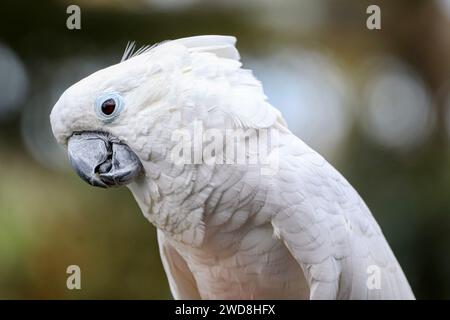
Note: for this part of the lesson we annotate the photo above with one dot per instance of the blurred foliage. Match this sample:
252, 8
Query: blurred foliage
50, 219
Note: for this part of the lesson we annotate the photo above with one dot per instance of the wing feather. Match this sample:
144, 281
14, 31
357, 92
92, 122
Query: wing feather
181, 281
331, 233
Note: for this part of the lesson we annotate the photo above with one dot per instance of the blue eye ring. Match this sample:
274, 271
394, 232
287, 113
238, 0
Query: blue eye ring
108, 106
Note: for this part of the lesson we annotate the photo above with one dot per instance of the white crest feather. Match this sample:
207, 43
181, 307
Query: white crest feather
221, 46
131, 52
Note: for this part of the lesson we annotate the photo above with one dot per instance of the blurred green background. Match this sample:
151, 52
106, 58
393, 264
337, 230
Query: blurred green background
375, 103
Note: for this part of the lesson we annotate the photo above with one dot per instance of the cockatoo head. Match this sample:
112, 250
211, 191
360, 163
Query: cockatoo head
102, 117
119, 119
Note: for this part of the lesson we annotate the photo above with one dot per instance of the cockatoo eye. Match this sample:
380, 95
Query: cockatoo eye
108, 106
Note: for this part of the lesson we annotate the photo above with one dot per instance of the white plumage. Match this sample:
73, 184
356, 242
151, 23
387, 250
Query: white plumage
228, 231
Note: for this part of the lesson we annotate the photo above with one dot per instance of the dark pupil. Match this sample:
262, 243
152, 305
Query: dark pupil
108, 106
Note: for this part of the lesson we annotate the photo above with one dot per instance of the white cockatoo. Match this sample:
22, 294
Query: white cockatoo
289, 228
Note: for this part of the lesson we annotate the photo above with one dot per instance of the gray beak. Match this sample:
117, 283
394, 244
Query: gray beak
101, 160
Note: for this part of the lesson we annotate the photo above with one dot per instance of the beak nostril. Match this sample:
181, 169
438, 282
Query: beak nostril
105, 167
